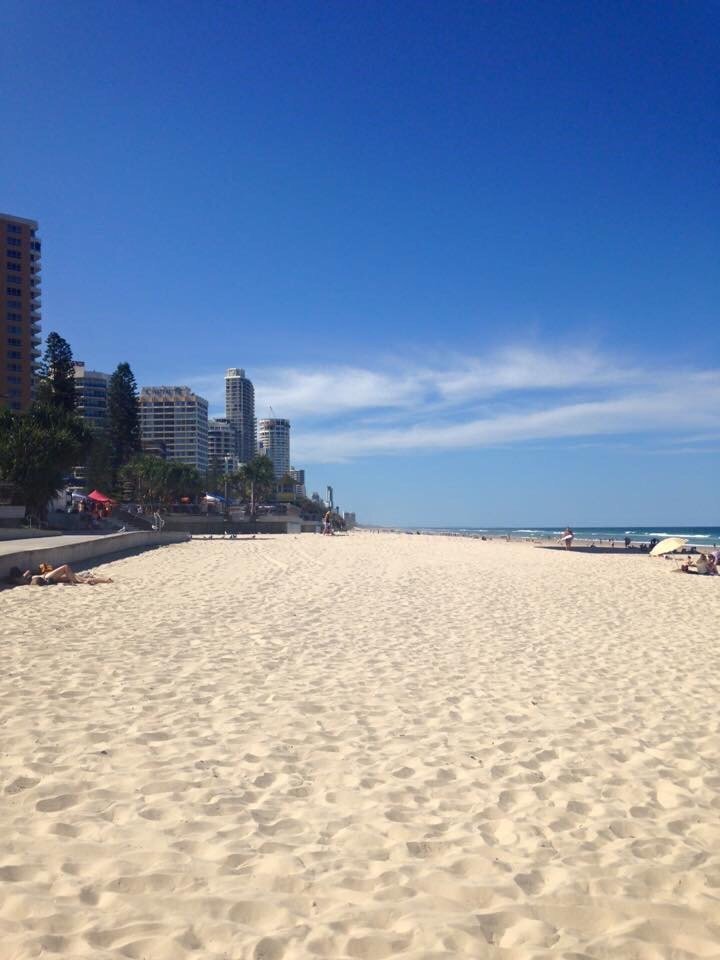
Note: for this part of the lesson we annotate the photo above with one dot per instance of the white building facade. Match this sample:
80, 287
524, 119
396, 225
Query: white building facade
274, 442
177, 418
91, 391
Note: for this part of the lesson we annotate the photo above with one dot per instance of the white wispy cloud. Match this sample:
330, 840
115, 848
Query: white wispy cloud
651, 412
459, 402
454, 380
308, 391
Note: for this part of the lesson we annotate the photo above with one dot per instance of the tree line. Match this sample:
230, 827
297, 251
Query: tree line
151, 481
39, 447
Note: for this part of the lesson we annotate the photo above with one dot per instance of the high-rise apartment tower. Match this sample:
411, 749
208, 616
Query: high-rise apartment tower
91, 391
177, 419
299, 478
274, 442
19, 310
221, 444
240, 412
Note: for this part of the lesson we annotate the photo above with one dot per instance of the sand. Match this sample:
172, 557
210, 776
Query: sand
367, 746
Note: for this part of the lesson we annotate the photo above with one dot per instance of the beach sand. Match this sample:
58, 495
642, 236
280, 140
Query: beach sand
369, 746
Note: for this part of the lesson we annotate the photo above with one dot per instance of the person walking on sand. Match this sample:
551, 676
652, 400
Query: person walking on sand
567, 538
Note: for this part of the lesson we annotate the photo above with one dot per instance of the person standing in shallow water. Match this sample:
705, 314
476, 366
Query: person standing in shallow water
567, 538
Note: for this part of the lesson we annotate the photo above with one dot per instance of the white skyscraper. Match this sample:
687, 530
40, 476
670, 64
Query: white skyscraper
274, 442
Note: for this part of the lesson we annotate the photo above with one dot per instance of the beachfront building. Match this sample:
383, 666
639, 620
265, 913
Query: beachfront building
154, 448
91, 390
178, 418
221, 443
240, 412
299, 478
19, 310
274, 442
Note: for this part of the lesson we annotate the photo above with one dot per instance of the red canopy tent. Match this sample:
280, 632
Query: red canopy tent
99, 497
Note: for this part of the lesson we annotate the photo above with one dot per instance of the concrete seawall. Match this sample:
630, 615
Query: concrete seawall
26, 533
28, 554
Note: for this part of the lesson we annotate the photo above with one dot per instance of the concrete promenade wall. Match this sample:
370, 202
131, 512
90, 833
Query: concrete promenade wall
77, 550
26, 533
202, 526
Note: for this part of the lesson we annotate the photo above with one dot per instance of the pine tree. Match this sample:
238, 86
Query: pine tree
57, 374
123, 415
99, 472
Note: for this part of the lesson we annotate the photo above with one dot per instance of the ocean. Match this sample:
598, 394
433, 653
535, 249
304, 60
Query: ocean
701, 536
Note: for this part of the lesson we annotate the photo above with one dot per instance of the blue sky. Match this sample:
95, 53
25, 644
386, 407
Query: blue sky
470, 249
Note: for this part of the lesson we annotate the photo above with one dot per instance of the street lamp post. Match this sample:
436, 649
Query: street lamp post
227, 467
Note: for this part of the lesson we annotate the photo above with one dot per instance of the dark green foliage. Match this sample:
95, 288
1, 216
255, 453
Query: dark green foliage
287, 484
56, 385
255, 480
314, 509
151, 480
215, 477
123, 416
182, 480
37, 449
99, 471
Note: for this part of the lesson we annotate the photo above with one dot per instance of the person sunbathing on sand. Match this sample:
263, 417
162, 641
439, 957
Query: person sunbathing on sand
49, 575
703, 565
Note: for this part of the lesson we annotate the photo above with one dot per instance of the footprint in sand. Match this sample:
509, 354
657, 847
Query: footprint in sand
20, 784
264, 780
259, 915
53, 804
403, 773
269, 948
530, 883
17, 873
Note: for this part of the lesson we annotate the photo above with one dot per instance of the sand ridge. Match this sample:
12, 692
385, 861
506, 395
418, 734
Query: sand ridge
369, 746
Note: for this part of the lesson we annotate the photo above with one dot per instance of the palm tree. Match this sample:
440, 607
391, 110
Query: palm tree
256, 478
181, 480
160, 481
143, 477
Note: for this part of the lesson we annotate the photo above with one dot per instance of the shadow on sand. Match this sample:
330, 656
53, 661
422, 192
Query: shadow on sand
617, 551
